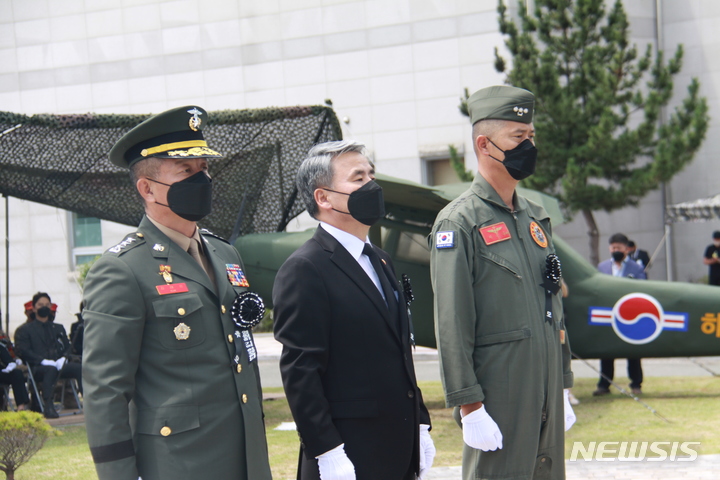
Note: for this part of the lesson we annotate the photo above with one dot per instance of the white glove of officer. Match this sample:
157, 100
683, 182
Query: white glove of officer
480, 431
335, 465
48, 363
18, 362
569, 413
60, 363
10, 367
427, 451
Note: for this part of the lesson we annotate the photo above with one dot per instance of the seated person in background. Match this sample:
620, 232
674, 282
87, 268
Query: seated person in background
44, 346
10, 376
77, 330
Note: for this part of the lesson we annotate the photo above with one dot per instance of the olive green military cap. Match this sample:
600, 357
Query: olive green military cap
175, 133
501, 102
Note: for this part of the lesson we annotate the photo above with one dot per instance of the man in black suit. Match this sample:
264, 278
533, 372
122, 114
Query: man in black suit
342, 319
640, 257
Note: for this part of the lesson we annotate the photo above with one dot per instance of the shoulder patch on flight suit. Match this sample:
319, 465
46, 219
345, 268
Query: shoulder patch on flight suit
445, 239
495, 233
131, 241
208, 233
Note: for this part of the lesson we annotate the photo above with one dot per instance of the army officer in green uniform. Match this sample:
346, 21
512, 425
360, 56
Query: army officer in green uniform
172, 389
504, 355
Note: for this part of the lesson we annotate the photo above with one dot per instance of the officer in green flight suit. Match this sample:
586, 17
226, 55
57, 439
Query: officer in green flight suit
172, 388
504, 355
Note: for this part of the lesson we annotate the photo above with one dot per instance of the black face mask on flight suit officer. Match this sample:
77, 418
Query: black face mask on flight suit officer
366, 204
191, 198
520, 161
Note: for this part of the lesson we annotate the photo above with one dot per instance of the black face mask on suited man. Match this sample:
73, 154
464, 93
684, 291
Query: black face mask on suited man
366, 204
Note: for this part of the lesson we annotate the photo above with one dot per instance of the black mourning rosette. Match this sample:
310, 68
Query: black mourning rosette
553, 269
407, 287
247, 310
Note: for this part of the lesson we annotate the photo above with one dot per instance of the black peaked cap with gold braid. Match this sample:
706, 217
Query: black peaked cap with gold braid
175, 133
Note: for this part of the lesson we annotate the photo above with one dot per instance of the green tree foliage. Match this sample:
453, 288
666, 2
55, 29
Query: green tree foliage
458, 165
598, 106
22, 434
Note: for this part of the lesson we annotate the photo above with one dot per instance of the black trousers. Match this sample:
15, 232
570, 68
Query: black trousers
17, 380
46, 377
634, 370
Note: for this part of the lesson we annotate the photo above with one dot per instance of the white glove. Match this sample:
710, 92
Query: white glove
60, 363
48, 363
335, 465
480, 431
427, 451
18, 362
10, 367
569, 414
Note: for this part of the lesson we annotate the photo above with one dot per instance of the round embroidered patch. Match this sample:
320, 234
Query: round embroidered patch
538, 235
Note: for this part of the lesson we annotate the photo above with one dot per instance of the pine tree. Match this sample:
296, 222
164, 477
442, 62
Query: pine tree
598, 106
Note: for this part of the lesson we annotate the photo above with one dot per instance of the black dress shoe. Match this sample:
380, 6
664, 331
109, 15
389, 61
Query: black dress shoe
601, 391
50, 411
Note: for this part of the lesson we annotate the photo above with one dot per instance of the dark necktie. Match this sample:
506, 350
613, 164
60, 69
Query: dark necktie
384, 281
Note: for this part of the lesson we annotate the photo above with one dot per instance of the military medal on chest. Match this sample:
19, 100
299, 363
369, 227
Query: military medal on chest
236, 276
166, 272
169, 287
182, 331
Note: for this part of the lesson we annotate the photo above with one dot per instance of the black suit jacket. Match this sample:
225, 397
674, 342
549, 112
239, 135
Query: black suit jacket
346, 364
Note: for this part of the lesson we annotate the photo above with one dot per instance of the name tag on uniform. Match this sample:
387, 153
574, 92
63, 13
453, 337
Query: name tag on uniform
172, 288
495, 233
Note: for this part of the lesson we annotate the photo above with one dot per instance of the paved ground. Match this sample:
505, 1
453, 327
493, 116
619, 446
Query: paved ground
426, 366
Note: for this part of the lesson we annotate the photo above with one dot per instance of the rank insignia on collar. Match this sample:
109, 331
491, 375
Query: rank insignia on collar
182, 331
165, 271
538, 235
236, 275
158, 248
495, 233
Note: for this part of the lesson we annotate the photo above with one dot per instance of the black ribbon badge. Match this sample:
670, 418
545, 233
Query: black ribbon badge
551, 283
247, 311
409, 298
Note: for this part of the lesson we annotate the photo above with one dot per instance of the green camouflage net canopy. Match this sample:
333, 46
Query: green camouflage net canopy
62, 161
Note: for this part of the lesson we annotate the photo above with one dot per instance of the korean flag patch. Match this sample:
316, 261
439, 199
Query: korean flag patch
445, 239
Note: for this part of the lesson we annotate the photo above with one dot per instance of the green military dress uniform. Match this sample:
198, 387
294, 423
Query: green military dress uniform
157, 404
172, 387
494, 342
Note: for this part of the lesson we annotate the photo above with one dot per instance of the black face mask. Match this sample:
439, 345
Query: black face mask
191, 198
520, 161
43, 312
366, 204
618, 256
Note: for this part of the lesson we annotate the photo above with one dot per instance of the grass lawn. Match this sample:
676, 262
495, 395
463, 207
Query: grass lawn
689, 403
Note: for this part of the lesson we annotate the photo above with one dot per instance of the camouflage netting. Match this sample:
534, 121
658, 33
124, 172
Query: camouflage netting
61, 160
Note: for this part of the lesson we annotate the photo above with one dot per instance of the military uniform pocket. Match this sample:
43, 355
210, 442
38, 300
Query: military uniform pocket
180, 321
503, 337
166, 421
504, 265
